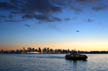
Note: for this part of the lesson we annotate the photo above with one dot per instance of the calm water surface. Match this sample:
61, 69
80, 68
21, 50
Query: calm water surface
51, 62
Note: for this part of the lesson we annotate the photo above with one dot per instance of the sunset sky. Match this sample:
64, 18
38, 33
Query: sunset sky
84, 29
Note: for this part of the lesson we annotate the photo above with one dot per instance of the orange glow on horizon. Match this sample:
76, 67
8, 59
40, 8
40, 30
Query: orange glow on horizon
84, 46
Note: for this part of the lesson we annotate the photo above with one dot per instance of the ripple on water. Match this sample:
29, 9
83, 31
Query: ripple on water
52, 62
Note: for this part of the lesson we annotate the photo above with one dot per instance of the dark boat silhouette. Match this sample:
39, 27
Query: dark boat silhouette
76, 56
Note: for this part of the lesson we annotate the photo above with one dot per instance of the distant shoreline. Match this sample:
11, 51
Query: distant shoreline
48, 51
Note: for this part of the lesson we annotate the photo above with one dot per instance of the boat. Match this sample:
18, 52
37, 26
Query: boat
76, 56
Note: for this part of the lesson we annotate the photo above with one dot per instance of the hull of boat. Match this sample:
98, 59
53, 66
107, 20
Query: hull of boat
76, 57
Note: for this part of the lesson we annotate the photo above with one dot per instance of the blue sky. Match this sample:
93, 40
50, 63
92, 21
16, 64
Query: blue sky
84, 30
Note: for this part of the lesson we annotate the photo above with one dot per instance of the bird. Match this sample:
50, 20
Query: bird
77, 31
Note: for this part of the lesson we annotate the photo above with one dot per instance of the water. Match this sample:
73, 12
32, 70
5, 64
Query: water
51, 62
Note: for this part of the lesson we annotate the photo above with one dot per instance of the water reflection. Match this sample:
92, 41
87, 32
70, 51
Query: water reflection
77, 65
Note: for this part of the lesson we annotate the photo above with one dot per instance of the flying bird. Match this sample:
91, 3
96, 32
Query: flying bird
77, 31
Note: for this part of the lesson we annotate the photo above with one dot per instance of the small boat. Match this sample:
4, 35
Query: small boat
76, 56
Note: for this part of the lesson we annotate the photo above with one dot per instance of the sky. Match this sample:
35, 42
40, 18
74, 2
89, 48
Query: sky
71, 24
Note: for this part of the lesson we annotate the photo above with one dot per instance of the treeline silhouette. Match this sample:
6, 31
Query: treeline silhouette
39, 50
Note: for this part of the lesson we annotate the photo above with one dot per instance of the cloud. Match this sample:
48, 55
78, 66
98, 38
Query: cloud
4, 5
29, 9
100, 8
38, 9
27, 25
44, 10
